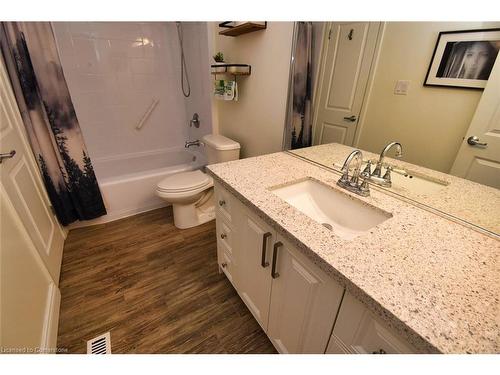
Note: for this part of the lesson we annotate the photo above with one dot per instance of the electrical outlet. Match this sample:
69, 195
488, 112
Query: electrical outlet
401, 87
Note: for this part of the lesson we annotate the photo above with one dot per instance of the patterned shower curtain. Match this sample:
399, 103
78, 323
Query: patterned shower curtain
30, 53
299, 123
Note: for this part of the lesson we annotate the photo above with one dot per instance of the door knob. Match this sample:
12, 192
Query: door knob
474, 141
350, 118
7, 155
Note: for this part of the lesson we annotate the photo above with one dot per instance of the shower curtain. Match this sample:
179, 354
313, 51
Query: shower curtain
299, 126
30, 53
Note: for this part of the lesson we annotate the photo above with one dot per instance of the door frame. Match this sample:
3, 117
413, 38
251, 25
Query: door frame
369, 84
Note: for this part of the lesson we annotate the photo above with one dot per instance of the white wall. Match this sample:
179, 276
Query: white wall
115, 69
430, 121
257, 119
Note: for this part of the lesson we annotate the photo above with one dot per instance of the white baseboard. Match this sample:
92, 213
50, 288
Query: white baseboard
51, 323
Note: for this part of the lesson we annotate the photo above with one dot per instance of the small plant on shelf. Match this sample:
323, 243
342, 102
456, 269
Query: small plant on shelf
219, 57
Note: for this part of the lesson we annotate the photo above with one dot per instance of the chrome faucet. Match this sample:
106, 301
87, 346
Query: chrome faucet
193, 143
376, 176
353, 184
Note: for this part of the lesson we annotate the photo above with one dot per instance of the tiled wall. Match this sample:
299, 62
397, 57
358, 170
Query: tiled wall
198, 58
114, 70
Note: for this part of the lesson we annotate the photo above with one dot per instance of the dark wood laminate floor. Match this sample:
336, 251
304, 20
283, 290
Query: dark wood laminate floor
155, 287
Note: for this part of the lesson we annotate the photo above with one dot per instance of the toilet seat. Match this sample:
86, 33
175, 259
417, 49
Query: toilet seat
185, 182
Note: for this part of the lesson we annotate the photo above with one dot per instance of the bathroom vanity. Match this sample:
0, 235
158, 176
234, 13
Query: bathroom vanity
374, 274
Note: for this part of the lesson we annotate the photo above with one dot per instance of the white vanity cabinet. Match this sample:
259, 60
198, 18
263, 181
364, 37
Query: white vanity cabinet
292, 299
358, 330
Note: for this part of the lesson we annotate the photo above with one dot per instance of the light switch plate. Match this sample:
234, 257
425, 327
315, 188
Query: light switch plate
402, 87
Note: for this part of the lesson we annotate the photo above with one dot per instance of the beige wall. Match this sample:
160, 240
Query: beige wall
257, 119
430, 122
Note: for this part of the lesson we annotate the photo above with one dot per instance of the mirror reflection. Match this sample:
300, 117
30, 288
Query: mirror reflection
425, 134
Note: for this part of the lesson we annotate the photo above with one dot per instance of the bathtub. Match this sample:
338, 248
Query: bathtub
128, 183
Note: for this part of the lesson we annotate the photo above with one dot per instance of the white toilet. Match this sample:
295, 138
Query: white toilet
191, 193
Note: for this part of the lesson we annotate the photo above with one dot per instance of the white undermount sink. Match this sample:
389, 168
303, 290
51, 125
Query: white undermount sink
346, 216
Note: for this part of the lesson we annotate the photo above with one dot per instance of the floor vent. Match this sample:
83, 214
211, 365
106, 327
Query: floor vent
100, 344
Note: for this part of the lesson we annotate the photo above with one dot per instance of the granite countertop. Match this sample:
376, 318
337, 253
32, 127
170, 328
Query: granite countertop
434, 281
467, 200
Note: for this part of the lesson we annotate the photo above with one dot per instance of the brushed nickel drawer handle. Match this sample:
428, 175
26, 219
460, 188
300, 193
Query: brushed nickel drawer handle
263, 262
223, 235
275, 274
222, 202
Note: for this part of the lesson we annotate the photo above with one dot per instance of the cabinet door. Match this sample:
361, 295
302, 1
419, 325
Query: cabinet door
255, 270
304, 303
358, 330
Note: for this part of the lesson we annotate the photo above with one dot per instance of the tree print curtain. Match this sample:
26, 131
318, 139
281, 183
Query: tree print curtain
30, 53
299, 126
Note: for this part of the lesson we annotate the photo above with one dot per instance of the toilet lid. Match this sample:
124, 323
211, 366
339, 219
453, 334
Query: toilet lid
184, 181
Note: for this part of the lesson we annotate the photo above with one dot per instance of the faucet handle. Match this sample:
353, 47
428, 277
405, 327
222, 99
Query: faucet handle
364, 188
368, 168
378, 170
387, 175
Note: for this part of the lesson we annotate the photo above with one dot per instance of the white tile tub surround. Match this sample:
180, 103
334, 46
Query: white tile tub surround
114, 72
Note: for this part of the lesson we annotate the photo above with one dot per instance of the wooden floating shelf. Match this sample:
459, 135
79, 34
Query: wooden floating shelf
233, 69
244, 28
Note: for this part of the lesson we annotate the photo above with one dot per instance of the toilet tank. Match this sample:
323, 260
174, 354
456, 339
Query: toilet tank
220, 149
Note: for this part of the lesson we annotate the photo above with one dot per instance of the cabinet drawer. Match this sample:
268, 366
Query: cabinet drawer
358, 330
224, 202
226, 264
225, 235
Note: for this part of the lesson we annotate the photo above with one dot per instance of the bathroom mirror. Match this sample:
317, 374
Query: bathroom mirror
368, 88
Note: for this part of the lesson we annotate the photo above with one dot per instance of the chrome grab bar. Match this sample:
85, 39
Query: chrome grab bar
146, 115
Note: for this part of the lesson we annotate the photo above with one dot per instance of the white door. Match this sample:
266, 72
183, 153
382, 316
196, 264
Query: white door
478, 159
348, 52
255, 270
31, 240
303, 305
23, 185
29, 298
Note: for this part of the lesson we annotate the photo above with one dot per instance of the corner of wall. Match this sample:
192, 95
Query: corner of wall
257, 119
211, 40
